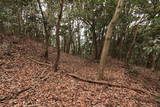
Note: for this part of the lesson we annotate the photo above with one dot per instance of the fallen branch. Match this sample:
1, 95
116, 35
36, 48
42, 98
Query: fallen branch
38, 62
15, 94
109, 84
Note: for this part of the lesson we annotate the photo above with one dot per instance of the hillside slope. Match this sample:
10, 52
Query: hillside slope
26, 80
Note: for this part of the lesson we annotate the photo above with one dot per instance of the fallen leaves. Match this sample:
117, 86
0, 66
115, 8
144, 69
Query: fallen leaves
25, 80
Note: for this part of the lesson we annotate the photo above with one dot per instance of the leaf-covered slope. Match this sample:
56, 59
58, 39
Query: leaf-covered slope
25, 82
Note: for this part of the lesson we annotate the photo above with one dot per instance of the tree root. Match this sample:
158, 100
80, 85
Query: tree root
110, 85
15, 94
38, 62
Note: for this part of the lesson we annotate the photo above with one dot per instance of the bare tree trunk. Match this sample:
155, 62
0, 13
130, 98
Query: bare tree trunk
19, 20
105, 51
47, 35
129, 53
57, 37
70, 38
156, 62
79, 40
101, 41
94, 39
95, 50
64, 44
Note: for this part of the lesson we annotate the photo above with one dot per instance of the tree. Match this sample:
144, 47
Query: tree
46, 29
105, 51
57, 36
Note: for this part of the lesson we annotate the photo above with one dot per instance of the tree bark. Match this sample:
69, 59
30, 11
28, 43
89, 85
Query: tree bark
19, 14
94, 39
57, 37
105, 51
79, 39
70, 38
47, 35
95, 50
101, 42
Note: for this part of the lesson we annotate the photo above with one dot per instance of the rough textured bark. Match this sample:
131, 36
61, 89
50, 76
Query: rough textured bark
45, 29
104, 55
57, 37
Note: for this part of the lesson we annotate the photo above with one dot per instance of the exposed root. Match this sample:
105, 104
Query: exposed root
109, 84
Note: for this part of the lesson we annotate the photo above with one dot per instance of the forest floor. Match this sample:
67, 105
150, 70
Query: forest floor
27, 81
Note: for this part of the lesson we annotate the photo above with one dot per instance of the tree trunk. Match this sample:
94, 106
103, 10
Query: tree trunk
64, 44
105, 51
129, 53
19, 20
156, 62
94, 37
2, 26
79, 40
70, 38
101, 42
57, 37
47, 35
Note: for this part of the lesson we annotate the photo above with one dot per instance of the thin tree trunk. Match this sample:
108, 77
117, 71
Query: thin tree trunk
57, 37
45, 29
129, 53
73, 47
101, 42
64, 44
134, 31
105, 51
19, 20
95, 45
95, 50
79, 39
70, 38
156, 62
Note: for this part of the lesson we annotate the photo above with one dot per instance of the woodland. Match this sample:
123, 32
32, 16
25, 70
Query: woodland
79, 53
